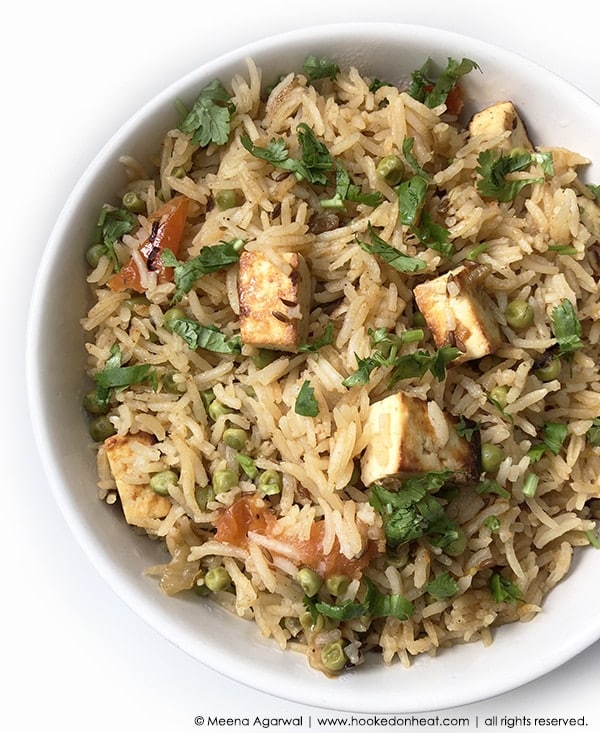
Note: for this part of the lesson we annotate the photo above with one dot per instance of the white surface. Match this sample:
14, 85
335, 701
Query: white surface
78, 658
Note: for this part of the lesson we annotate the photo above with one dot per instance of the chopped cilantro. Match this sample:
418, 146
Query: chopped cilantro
211, 258
491, 486
396, 259
111, 226
209, 120
306, 403
433, 91
324, 340
495, 169
209, 337
411, 199
442, 586
466, 428
554, 435
115, 376
320, 67
375, 604
593, 433
504, 590
345, 190
566, 328
492, 523
420, 362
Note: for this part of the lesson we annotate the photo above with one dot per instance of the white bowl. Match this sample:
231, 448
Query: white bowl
556, 114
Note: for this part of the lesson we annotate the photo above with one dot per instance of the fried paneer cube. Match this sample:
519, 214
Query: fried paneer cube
459, 313
274, 305
141, 506
498, 118
411, 436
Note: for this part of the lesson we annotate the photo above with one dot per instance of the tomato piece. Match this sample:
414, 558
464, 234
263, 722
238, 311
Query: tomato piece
167, 225
454, 100
244, 516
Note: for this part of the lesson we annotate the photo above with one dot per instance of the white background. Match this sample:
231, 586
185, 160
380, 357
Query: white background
74, 657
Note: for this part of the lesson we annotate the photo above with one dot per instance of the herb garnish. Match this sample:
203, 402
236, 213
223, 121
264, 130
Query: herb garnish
442, 586
376, 605
495, 169
320, 67
115, 376
554, 435
209, 120
324, 340
345, 190
211, 258
566, 328
394, 257
504, 590
208, 337
111, 226
433, 91
593, 433
306, 403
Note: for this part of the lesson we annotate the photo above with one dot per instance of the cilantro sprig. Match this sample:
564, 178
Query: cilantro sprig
211, 258
320, 67
554, 436
112, 225
433, 90
389, 254
566, 328
345, 190
115, 376
209, 120
495, 170
504, 590
306, 404
375, 605
210, 337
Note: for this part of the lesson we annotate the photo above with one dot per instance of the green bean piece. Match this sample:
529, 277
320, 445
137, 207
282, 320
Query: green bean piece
548, 371
337, 584
498, 395
93, 404
226, 199
332, 656
269, 482
217, 409
223, 480
519, 314
93, 254
309, 581
263, 358
101, 428
491, 457
457, 546
391, 169
171, 315
235, 438
132, 202
161, 482
217, 579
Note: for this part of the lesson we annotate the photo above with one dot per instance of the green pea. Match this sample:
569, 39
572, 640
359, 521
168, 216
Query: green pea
491, 457
269, 482
217, 579
263, 358
132, 202
309, 581
519, 314
391, 169
178, 172
226, 199
203, 495
217, 409
101, 428
333, 657
548, 370
235, 438
311, 624
207, 397
161, 482
172, 315
498, 395
337, 584
93, 404
457, 546
94, 254
223, 480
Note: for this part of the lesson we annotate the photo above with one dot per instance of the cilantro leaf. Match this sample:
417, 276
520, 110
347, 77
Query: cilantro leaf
115, 376
375, 604
407, 146
209, 120
112, 225
442, 586
593, 433
211, 258
491, 486
209, 337
420, 362
434, 236
411, 199
306, 403
396, 259
566, 328
495, 169
324, 340
554, 436
504, 590
320, 67
345, 190
433, 91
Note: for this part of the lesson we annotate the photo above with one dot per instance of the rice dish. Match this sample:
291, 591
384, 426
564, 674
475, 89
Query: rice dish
342, 350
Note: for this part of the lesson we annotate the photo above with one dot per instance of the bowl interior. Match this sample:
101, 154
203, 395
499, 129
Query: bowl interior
233, 647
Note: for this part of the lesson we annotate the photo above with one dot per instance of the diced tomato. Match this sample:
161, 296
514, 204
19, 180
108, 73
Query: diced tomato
454, 100
244, 516
167, 225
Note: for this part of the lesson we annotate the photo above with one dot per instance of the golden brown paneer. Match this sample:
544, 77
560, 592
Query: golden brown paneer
459, 313
412, 436
141, 506
274, 305
498, 118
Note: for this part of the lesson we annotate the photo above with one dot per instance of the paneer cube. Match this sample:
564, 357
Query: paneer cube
499, 118
459, 313
141, 506
274, 305
411, 436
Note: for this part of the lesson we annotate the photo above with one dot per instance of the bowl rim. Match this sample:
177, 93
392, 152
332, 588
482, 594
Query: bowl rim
116, 577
